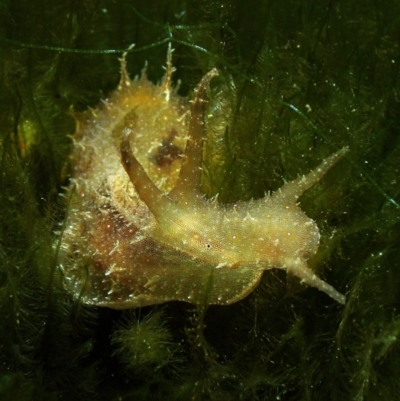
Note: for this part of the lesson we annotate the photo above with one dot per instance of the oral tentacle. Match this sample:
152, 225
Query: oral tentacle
293, 189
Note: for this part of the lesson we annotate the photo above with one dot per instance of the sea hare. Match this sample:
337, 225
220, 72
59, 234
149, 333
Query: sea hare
139, 231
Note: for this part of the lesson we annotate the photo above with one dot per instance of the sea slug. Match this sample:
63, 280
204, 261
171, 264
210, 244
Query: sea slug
139, 231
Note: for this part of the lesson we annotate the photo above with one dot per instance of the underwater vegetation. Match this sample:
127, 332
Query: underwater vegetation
300, 80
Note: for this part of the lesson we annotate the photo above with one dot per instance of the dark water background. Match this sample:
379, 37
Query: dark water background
310, 77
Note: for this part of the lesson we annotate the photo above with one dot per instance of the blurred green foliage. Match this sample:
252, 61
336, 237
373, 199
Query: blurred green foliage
302, 78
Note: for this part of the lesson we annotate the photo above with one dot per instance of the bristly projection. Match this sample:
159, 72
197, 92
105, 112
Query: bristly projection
139, 231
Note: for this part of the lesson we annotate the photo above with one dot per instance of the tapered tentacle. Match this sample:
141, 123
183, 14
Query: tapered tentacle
300, 269
292, 190
156, 201
189, 181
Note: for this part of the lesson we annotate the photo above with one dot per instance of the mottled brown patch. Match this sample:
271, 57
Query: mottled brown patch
167, 152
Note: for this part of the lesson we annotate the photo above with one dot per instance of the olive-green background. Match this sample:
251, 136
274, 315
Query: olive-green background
303, 79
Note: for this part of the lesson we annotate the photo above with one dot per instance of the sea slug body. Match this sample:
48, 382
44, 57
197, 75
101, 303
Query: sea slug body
139, 231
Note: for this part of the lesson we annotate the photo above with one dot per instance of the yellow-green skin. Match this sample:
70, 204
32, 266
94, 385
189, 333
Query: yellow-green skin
140, 232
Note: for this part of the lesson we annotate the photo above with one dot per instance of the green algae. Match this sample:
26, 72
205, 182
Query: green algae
302, 78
